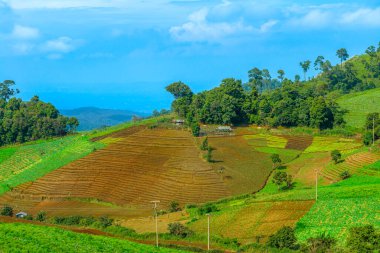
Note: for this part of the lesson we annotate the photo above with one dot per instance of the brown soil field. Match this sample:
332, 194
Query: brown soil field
260, 219
242, 169
140, 166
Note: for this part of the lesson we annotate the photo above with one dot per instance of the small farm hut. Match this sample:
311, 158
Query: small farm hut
21, 215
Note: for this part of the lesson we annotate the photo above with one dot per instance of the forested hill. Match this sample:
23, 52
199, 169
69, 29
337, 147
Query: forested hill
22, 121
282, 101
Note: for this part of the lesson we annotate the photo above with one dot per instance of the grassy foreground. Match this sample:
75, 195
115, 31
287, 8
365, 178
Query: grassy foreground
17, 237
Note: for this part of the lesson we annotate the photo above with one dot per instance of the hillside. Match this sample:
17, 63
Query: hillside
359, 104
92, 117
125, 167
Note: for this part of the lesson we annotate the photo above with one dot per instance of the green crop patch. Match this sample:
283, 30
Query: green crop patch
327, 144
32, 238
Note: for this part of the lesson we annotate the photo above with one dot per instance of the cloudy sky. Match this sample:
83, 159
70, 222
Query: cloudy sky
122, 53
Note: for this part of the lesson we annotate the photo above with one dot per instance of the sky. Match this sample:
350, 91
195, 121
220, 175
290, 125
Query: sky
120, 54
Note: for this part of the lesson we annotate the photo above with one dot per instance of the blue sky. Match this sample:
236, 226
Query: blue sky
122, 53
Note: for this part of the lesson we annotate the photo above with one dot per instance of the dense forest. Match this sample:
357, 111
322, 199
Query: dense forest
280, 101
22, 121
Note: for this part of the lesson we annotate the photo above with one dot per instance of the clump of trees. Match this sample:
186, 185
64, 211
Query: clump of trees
179, 229
280, 178
364, 239
283, 239
276, 160
22, 121
279, 101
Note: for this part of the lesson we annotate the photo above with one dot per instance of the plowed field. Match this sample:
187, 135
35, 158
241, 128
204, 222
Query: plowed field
137, 167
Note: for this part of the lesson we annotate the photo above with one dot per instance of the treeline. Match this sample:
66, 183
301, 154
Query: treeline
279, 101
22, 121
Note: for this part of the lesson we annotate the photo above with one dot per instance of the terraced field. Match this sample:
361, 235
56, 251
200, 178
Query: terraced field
259, 219
138, 166
351, 164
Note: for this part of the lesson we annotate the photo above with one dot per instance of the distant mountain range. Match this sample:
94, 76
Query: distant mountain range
92, 117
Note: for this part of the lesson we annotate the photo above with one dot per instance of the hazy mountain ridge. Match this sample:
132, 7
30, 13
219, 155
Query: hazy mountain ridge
93, 117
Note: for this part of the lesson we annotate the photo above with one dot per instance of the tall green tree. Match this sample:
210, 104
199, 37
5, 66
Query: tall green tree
342, 55
318, 63
305, 65
321, 115
281, 75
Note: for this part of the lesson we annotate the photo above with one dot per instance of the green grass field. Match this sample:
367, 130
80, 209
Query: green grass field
359, 105
17, 237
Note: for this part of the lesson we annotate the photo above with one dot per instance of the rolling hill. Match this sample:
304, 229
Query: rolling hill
92, 117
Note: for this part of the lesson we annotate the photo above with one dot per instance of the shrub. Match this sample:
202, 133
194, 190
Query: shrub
345, 174
208, 155
284, 238
195, 129
204, 145
320, 244
174, 207
336, 156
179, 229
363, 239
87, 221
7, 211
367, 138
105, 221
208, 208
28, 217
41, 216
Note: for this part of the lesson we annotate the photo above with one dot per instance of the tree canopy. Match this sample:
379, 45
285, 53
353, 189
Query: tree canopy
22, 121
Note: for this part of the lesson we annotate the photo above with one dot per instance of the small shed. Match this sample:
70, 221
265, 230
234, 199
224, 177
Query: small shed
224, 129
21, 215
178, 122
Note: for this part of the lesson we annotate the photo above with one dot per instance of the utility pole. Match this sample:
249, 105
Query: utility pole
316, 184
208, 231
155, 202
373, 130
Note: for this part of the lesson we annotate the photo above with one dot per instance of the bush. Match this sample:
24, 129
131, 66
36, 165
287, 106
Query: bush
367, 138
7, 211
345, 174
28, 217
174, 207
204, 145
363, 239
105, 222
208, 208
195, 129
41, 216
208, 155
179, 229
284, 238
320, 244
336, 156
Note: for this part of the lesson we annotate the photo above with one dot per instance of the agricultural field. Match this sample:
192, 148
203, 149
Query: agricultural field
25, 163
253, 221
18, 237
359, 104
138, 166
353, 202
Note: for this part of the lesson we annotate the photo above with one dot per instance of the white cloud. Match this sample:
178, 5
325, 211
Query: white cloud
332, 15
268, 25
198, 28
24, 32
61, 45
363, 16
